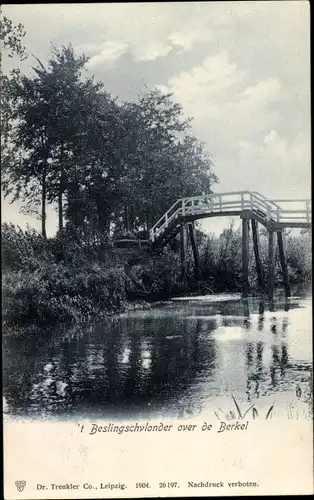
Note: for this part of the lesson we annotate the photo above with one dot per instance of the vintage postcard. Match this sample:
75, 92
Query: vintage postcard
156, 250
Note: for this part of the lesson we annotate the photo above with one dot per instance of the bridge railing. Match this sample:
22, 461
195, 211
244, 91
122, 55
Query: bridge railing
299, 210
212, 203
164, 221
232, 203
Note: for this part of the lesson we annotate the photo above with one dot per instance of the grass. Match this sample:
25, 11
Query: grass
293, 412
240, 414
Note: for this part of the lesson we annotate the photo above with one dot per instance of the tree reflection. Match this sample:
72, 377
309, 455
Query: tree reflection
154, 362
256, 371
254, 358
126, 366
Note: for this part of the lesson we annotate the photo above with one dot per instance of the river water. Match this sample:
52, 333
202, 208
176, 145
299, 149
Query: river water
179, 359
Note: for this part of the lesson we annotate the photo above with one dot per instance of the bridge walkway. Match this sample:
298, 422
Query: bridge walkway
274, 214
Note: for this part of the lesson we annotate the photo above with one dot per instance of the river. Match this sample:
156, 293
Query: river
180, 359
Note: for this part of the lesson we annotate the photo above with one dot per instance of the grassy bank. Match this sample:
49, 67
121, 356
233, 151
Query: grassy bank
46, 281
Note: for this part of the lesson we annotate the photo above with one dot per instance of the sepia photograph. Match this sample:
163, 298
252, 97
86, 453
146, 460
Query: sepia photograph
156, 241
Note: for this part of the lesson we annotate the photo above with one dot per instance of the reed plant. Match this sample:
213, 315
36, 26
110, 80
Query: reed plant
239, 413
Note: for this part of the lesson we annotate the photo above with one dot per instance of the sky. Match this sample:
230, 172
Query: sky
240, 69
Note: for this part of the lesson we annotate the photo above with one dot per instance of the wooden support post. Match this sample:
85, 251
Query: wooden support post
195, 251
245, 257
246, 311
183, 248
271, 263
259, 268
283, 263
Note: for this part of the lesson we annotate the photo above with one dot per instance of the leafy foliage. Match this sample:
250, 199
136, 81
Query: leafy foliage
106, 164
39, 286
60, 279
11, 37
11, 45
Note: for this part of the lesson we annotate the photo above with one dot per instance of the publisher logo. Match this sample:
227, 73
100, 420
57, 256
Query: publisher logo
20, 485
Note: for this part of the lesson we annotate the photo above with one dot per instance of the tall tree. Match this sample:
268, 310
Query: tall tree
11, 46
51, 112
164, 161
102, 162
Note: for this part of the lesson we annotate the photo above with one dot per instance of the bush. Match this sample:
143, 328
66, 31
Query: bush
221, 260
159, 276
56, 293
299, 257
61, 280
22, 249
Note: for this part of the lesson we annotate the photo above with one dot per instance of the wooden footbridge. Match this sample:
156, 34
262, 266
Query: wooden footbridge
251, 207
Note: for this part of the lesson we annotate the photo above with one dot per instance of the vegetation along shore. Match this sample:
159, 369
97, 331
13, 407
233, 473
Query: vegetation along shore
111, 169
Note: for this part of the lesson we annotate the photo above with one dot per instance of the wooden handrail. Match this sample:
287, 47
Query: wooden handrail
301, 200
215, 203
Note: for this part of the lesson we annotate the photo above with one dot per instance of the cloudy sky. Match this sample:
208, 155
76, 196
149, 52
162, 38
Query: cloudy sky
240, 69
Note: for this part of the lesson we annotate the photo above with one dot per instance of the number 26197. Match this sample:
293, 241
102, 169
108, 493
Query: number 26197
168, 485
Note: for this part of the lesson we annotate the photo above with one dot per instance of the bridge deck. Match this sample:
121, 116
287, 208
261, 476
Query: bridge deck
273, 214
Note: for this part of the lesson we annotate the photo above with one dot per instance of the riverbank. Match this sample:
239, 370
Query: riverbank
47, 282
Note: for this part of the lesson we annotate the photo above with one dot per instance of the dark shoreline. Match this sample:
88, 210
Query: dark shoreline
139, 304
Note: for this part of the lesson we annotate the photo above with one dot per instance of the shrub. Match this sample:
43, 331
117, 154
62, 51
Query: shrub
56, 293
60, 279
161, 276
22, 249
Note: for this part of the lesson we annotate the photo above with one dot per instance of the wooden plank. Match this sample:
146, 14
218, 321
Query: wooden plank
213, 195
183, 249
271, 264
283, 263
245, 257
195, 251
300, 225
297, 200
229, 213
256, 246
294, 211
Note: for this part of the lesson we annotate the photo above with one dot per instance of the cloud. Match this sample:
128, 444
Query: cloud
294, 153
244, 121
222, 98
151, 51
213, 76
143, 50
206, 90
273, 142
110, 52
188, 39
266, 90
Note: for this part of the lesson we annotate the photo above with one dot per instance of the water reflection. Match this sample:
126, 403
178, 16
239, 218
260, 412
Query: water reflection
173, 360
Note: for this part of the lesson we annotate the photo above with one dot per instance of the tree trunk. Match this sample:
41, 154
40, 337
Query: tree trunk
60, 194
131, 219
126, 219
43, 203
60, 207
149, 223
